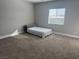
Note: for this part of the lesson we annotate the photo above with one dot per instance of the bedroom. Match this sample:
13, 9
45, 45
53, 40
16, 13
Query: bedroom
62, 44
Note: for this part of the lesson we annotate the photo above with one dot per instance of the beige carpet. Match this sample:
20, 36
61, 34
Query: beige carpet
32, 47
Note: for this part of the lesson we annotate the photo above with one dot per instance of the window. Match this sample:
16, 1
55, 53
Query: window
56, 16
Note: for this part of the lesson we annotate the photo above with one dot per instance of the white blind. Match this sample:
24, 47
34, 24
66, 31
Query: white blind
56, 16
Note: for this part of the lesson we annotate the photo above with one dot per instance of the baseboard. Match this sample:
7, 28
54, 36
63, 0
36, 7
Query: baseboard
10, 35
63, 34
68, 35
2, 37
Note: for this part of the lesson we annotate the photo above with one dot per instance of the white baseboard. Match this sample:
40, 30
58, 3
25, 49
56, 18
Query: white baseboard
10, 35
2, 37
63, 34
68, 35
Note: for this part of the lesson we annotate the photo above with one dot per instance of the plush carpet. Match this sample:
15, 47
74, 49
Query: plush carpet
32, 47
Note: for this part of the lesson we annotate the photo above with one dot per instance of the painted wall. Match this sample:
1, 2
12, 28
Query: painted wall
71, 25
14, 14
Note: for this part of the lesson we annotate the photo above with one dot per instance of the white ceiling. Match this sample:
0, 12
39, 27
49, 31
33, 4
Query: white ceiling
37, 1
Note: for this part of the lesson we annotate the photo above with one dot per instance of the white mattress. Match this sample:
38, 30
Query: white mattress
40, 31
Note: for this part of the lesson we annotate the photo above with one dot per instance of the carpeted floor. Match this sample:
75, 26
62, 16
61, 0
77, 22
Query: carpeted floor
32, 47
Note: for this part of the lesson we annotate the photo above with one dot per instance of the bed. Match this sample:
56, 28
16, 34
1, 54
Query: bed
39, 31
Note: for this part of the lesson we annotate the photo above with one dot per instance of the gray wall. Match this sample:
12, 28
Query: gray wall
14, 14
71, 25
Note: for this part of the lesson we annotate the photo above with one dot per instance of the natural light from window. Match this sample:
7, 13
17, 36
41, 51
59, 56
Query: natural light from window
56, 16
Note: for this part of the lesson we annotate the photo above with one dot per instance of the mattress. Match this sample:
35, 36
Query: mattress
40, 31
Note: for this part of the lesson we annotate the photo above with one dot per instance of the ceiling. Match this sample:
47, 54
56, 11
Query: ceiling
37, 1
